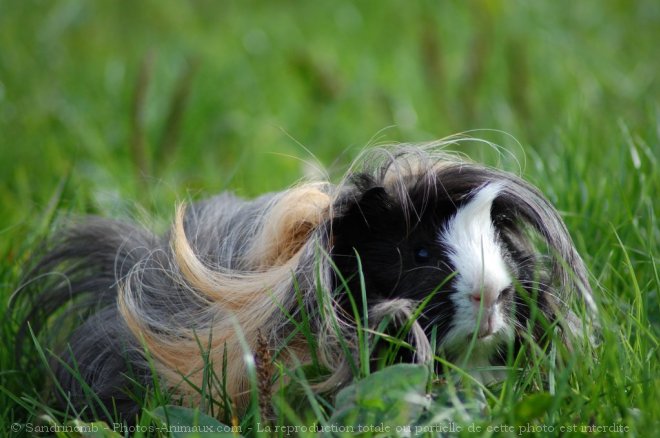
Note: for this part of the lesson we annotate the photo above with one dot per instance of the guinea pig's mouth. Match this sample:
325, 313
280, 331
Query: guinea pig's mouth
486, 334
485, 338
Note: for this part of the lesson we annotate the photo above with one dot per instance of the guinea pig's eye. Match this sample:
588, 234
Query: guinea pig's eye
422, 255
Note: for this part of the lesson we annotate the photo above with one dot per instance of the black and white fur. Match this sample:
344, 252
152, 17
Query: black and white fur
486, 244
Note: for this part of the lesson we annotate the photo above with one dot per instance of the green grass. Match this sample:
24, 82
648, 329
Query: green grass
122, 108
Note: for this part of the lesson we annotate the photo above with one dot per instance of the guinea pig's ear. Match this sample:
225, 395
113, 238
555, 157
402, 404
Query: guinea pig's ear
375, 202
362, 212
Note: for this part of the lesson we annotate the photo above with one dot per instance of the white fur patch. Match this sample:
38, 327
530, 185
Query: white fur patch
481, 271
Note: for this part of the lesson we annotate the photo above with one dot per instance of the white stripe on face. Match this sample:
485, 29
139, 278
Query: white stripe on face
481, 271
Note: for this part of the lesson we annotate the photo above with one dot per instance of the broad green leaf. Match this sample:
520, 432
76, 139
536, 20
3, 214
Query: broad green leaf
188, 423
394, 396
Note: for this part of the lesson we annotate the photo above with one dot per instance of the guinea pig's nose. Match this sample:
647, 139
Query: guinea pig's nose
484, 304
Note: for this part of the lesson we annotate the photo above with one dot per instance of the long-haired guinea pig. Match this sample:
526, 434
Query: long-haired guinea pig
455, 251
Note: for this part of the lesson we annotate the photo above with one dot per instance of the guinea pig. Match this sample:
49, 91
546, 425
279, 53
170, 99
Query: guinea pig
459, 253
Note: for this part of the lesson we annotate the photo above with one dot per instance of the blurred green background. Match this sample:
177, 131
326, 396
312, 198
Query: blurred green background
141, 100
